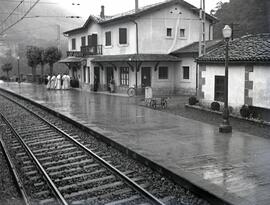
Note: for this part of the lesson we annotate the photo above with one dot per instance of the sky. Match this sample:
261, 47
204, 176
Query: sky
112, 7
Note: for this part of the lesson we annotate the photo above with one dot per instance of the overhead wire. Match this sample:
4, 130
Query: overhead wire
26, 13
11, 12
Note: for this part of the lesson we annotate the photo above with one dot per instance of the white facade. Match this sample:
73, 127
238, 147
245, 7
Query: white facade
261, 86
160, 31
259, 92
188, 85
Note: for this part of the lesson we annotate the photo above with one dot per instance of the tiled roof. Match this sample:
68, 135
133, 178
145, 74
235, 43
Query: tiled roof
194, 47
141, 11
134, 57
250, 48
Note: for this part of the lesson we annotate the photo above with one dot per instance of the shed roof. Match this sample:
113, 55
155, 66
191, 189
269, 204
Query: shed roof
247, 49
194, 47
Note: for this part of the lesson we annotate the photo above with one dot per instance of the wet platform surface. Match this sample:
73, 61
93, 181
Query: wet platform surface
234, 166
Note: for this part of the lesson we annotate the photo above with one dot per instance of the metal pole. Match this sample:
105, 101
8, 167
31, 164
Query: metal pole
19, 78
225, 127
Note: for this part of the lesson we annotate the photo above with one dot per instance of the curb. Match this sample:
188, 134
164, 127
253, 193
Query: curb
258, 122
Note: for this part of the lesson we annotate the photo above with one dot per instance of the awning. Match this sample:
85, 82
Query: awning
71, 60
135, 57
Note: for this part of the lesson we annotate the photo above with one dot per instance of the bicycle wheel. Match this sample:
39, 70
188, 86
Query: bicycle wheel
131, 92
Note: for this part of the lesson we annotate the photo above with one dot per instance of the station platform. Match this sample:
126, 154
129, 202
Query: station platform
234, 167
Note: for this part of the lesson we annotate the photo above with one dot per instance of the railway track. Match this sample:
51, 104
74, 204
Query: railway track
54, 167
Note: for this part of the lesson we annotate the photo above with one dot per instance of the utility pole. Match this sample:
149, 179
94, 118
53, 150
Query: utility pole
58, 40
58, 36
202, 44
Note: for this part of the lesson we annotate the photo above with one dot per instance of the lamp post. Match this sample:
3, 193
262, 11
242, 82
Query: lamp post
19, 78
225, 127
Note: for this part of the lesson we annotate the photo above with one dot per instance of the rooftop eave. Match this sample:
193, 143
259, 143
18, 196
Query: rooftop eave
234, 61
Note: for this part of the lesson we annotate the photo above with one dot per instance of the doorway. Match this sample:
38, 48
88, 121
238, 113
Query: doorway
146, 78
96, 78
110, 77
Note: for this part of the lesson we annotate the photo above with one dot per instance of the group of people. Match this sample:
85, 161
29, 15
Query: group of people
58, 82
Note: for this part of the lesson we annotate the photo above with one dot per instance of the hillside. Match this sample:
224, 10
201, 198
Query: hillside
41, 32
248, 17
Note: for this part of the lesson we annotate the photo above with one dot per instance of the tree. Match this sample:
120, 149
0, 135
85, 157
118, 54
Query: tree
6, 68
248, 16
51, 56
33, 58
42, 62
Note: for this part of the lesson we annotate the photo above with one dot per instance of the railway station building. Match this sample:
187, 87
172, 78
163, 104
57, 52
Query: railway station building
134, 48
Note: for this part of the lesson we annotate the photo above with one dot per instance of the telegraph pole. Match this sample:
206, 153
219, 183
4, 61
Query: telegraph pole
58, 36
202, 44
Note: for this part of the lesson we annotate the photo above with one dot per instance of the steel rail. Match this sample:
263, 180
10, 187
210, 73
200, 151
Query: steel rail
141, 190
14, 172
59, 196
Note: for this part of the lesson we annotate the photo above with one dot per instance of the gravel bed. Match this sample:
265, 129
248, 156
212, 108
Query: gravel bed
9, 194
158, 185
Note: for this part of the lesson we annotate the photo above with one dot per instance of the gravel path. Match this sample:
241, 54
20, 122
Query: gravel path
176, 106
8, 192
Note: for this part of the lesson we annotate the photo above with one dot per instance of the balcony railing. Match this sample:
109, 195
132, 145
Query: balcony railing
86, 51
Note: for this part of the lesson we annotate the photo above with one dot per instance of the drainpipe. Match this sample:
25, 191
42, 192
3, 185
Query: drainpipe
137, 52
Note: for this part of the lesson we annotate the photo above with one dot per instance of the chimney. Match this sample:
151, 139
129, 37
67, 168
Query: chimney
136, 6
102, 13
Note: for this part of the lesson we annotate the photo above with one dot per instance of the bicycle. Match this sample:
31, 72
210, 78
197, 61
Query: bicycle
131, 91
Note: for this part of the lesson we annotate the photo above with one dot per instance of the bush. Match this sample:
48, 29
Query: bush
215, 106
74, 83
245, 111
192, 100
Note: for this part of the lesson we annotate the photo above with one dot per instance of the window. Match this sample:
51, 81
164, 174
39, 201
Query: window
169, 32
219, 88
163, 73
122, 36
83, 40
73, 44
108, 39
124, 76
182, 33
186, 72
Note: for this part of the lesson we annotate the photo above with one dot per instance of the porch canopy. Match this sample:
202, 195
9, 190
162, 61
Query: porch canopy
71, 60
137, 58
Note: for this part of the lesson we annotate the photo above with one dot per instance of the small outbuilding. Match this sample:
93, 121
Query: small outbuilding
249, 73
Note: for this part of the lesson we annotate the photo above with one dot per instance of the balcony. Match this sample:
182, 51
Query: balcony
86, 51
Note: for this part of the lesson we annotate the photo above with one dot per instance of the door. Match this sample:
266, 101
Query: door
94, 43
96, 78
146, 76
109, 77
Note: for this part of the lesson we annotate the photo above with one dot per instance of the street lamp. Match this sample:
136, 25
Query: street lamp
225, 127
19, 78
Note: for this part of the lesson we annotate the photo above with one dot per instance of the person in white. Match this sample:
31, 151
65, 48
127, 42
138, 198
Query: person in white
49, 82
58, 82
68, 81
53, 80
63, 80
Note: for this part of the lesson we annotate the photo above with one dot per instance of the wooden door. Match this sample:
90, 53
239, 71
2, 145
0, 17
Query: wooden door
110, 76
94, 43
146, 77
96, 78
